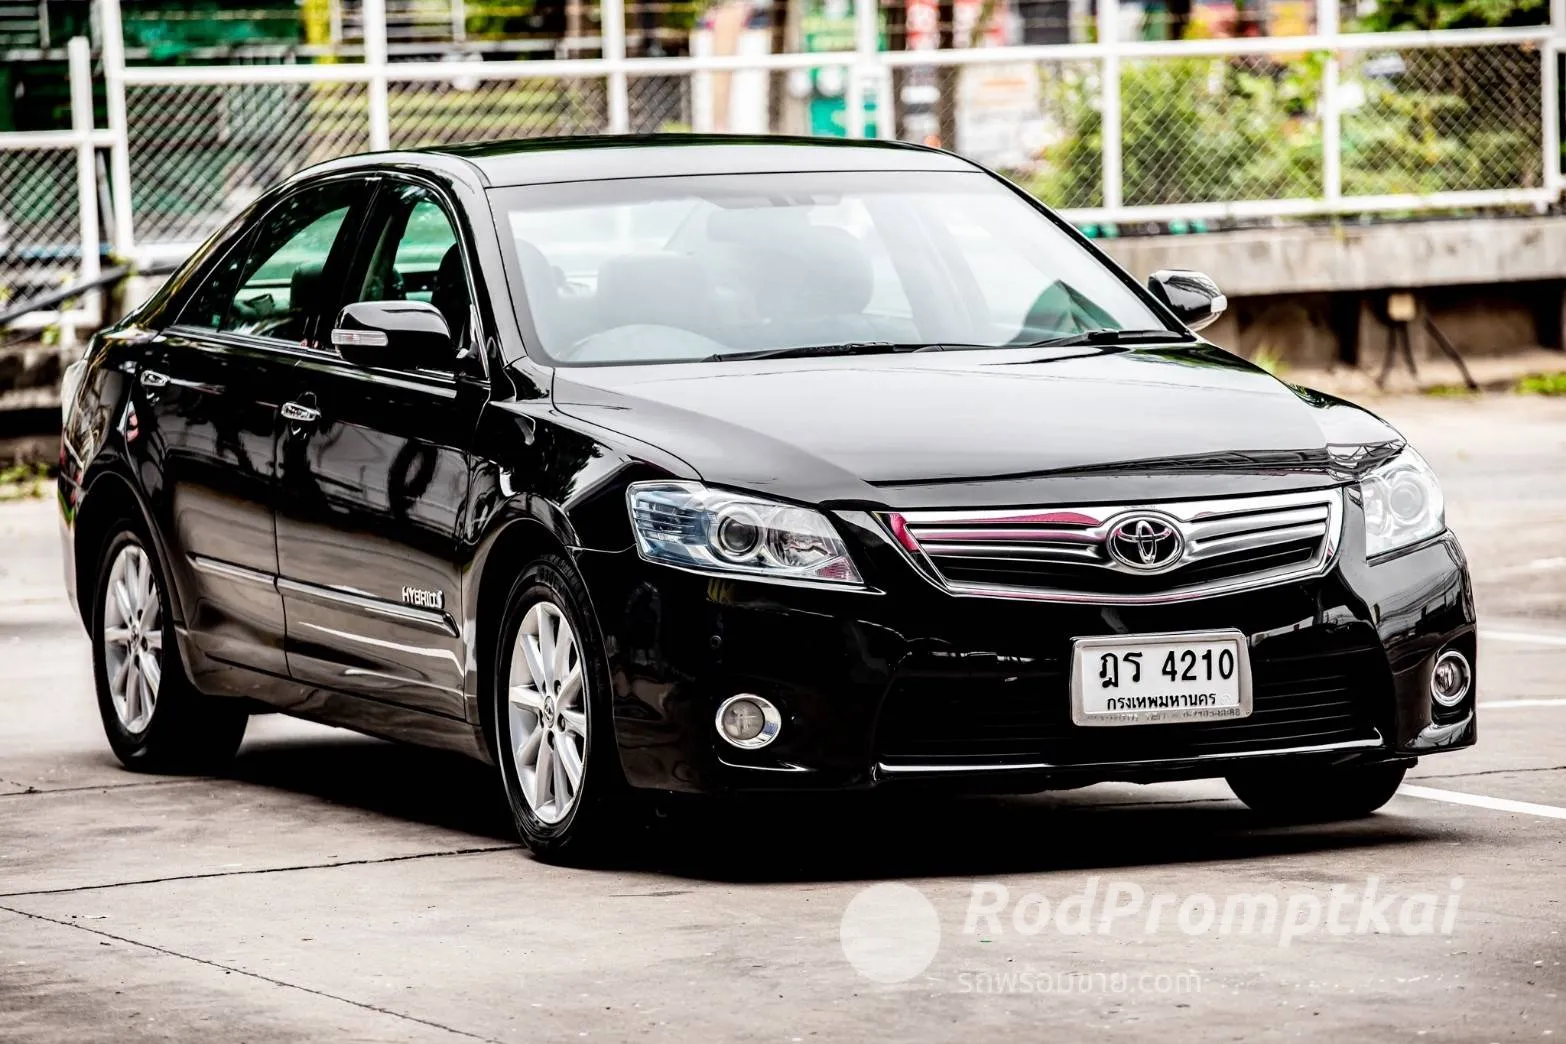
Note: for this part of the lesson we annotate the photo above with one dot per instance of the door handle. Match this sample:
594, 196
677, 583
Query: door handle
300, 413
154, 379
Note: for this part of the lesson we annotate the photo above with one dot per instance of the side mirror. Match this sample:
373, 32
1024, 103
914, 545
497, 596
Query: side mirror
1194, 299
396, 335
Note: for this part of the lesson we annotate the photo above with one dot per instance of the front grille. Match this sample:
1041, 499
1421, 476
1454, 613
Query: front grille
1063, 552
1300, 699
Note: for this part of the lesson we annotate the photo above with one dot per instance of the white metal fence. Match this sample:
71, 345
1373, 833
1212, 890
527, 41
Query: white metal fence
49, 233
1124, 130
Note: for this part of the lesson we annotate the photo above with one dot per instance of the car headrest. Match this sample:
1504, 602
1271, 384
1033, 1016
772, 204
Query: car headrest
306, 287
797, 269
661, 289
541, 287
450, 290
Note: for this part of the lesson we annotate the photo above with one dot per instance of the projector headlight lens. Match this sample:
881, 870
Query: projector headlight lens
1403, 504
691, 526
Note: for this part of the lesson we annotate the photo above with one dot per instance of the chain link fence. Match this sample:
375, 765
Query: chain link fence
1136, 130
446, 112
1442, 119
40, 235
1200, 130
201, 152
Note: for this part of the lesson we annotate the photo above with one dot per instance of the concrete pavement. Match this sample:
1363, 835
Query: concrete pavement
334, 887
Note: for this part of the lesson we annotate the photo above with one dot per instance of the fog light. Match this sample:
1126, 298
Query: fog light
1451, 678
748, 722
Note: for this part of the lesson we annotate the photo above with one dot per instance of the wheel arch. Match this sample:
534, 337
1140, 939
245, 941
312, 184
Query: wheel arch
109, 497
508, 551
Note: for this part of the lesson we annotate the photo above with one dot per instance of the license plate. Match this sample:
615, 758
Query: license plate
1141, 679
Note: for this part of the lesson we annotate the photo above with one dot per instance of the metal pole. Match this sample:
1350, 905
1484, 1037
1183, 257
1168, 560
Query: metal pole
113, 45
885, 106
1108, 38
374, 14
1550, 83
79, 52
459, 20
611, 15
1331, 117
867, 44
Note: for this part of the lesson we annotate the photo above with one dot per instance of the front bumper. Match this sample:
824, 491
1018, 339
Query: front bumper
915, 685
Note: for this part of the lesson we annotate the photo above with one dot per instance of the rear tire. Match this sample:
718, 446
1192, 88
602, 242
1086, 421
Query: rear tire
1318, 794
553, 727
154, 719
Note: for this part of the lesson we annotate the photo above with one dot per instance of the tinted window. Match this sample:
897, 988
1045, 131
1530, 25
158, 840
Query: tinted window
688, 268
211, 301
274, 286
413, 256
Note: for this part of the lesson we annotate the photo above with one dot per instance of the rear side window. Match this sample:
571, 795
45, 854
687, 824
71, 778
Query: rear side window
276, 285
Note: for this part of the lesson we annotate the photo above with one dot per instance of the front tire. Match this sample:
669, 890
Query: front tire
1318, 794
554, 733
153, 717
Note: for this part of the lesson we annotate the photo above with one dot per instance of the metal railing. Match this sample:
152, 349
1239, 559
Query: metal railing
49, 233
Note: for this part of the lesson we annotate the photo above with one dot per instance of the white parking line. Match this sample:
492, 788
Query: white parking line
1524, 638
1502, 704
1453, 797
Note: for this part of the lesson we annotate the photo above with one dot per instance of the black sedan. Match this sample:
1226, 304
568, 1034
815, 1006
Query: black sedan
723, 464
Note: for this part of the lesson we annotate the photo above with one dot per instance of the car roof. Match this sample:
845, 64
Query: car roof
538, 161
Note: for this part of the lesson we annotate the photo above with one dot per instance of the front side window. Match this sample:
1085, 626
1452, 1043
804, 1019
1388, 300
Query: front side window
413, 255
276, 285
709, 267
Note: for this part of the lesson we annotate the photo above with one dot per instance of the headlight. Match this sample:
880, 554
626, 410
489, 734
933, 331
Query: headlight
712, 530
1403, 504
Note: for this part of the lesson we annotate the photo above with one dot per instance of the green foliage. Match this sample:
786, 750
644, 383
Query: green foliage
23, 481
1389, 15
1451, 120
1195, 129
1543, 384
1270, 359
1225, 129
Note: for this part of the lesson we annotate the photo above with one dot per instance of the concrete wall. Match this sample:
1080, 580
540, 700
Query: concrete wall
1316, 295
1335, 258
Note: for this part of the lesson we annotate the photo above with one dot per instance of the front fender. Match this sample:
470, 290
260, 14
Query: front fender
541, 483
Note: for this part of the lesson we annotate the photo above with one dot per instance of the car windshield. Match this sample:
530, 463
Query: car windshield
709, 267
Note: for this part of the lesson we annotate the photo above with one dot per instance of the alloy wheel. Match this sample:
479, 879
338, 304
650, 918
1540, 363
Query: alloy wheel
133, 638
548, 712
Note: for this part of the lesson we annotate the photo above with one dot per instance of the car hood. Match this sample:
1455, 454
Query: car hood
963, 428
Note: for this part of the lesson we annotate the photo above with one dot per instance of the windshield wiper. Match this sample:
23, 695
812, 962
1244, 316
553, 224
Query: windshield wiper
1105, 337
1111, 337
805, 351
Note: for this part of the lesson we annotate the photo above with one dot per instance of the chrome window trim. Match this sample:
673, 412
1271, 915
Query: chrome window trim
1035, 766
1208, 512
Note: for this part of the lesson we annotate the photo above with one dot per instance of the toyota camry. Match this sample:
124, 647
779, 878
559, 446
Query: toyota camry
720, 464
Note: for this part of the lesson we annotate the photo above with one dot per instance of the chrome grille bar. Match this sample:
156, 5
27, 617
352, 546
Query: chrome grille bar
1060, 554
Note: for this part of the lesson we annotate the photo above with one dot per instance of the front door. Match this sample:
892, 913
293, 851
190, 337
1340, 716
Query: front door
374, 483
207, 402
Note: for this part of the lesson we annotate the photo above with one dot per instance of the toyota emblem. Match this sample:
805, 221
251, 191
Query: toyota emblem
1145, 542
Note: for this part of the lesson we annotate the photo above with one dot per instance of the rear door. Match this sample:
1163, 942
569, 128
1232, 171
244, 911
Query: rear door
207, 406
375, 482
